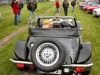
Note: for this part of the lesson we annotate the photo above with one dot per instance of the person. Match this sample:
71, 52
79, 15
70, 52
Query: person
47, 24
57, 6
31, 6
65, 6
20, 7
15, 8
73, 3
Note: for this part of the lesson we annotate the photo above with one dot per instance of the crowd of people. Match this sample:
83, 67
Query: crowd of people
32, 6
17, 6
65, 5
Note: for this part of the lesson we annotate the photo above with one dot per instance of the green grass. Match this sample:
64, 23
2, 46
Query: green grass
7, 68
7, 22
91, 33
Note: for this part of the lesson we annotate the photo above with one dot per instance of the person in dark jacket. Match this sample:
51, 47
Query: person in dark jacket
20, 7
31, 6
57, 6
73, 3
65, 6
15, 8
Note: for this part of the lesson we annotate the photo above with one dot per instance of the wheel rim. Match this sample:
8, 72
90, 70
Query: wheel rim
47, 54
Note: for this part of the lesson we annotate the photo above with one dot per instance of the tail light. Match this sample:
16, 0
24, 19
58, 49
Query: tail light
32, 68
80, 69
20, 66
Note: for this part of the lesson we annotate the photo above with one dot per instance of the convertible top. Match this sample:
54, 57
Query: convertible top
54, 32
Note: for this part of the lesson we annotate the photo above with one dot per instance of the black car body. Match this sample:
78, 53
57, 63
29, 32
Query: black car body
57, 50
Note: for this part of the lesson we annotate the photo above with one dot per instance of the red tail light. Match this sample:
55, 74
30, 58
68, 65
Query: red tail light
32, 68
80, 69
21, 66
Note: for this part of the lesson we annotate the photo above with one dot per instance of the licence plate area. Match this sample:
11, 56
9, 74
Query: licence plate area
59, 71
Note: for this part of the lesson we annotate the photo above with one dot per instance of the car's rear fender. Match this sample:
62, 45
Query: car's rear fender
30, 44
85, 53
20, 50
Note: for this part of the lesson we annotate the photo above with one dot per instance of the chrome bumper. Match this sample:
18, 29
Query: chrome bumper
70, 65
19, 62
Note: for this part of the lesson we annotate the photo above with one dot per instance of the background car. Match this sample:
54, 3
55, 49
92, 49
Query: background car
83, 3
86, 4
96, 12
90, 9
92, 5
57, 50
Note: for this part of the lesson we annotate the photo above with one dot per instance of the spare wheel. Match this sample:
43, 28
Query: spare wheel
48, 54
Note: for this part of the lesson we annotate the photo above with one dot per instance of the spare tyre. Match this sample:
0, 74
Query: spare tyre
48, 54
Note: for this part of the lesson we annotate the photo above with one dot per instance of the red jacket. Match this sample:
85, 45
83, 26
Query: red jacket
57, 4
15, 8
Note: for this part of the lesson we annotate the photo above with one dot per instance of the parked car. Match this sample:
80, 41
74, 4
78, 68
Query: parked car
92, 5
88, 4
96, 12
90, 9
83, 3
57, 50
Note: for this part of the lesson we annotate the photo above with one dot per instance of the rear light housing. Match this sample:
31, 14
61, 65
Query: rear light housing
31, 67
20, 66
80, 69
25, 67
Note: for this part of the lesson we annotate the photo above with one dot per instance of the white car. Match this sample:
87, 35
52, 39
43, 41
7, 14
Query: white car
96, 12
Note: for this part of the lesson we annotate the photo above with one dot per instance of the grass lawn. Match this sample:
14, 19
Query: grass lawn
7, 22
91, 33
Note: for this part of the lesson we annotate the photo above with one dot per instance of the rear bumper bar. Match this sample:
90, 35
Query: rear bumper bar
20, 62
70, 65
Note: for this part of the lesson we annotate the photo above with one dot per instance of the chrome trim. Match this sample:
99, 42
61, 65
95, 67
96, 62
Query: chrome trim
24, 62
78, 65
71, 65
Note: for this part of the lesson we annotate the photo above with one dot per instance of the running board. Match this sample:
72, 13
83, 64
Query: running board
71, 65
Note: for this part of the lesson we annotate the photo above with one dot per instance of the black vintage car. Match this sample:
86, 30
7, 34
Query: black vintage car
57, 50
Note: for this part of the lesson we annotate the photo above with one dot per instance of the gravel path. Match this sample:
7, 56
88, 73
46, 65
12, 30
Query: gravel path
12, 35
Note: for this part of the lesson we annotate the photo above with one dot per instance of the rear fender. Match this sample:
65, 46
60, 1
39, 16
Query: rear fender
20, 50
30, 44
85, 53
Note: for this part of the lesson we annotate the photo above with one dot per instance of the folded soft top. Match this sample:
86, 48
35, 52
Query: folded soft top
54, 32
